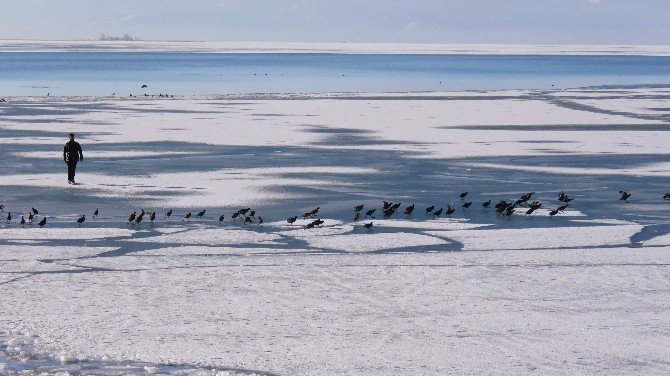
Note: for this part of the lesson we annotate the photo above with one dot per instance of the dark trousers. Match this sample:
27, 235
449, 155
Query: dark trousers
71, 167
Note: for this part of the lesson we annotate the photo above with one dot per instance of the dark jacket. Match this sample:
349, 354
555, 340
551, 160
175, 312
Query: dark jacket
72, 152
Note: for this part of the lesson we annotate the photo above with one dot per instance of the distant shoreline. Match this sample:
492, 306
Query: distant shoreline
327, 48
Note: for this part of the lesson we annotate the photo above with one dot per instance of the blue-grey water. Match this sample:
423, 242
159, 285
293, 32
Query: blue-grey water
104, 73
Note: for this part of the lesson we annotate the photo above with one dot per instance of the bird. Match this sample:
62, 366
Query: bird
43, 222
395, 206
2, 208
81, 219
553, 212
247, 220
201, 214
318, 222
357, 216
23, 221
309, 225
168, 214
313, 212
139, 217
467, 204
260, 220
358, 207
430, 209
252, 214
562, 207
386, 205
95, 213
34, 211
144, 86
221, 218
487, 204
564, 198
666, 196
186, 217
509, 210
244, 211
152, 216
624, 195
370, 212
409, 210
449, 210
368, 226
306, 214
437, 212
9, 217
30, 217
530, 211
292, 220
235, 215
389, 212
462, 195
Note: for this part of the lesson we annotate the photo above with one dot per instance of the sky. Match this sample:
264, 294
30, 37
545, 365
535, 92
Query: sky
616, 22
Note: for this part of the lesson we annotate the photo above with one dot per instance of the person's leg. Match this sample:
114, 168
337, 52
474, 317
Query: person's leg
71, 171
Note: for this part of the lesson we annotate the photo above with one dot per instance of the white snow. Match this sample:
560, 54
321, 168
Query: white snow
585, 292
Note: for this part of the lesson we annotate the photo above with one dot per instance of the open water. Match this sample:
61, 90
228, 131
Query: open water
104, 73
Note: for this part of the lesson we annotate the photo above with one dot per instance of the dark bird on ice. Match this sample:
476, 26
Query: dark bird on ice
9, 217
201, 214
81, 219
462, 195
562, 197
260, 220
509, 210
244, 211
23, 221
370, 212
187, 217
553, 212
487, 204
357, 216
30, 217
221, 218
309, 225
292, 220
139, 217
2, 208
43, 222
530, 211
386, 205
388, 212
152, 216
313, 212
467, 204
144, 86
247, 220
95, 213
438, 212
368, 226
409, 210
449, 210
168, 214
396, 206
318, 222
624, 195
562, 207
235, 215
430, 209
666, 196
34, 211
358, 207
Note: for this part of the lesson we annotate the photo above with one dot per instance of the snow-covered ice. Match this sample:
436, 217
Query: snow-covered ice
583, 292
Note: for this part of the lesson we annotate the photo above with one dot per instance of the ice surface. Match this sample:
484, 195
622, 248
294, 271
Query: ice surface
584, 292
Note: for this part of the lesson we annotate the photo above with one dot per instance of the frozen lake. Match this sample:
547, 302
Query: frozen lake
584, 292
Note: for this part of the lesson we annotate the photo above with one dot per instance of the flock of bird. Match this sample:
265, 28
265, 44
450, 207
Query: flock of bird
248, 215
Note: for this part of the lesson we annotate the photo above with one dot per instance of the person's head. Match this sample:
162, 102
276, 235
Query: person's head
71, 136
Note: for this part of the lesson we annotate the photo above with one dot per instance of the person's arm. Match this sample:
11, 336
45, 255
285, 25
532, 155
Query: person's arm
81, 154
65, 153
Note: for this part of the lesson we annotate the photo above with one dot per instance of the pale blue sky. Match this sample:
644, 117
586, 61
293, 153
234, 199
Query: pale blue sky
428, 21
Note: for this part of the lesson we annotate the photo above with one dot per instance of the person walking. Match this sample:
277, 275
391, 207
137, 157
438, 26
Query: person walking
71, 155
